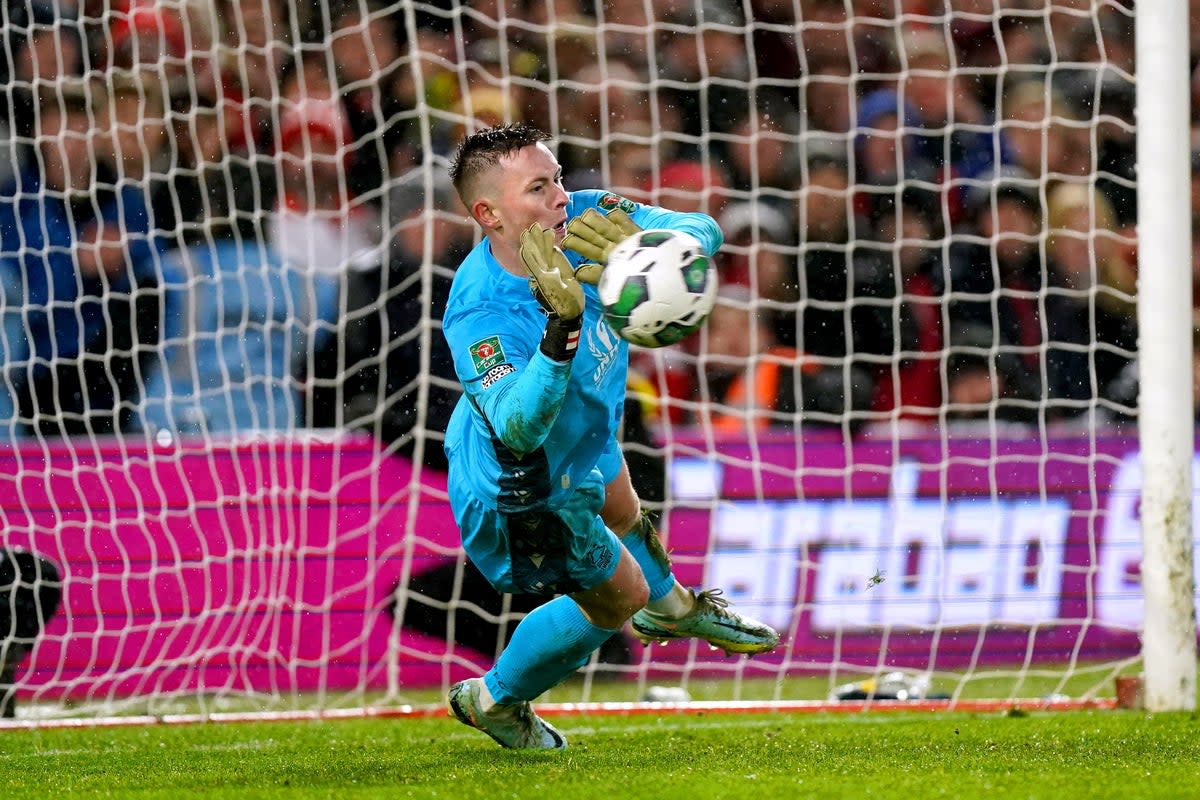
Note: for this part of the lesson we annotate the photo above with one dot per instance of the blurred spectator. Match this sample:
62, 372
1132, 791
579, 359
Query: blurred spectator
484, 19
555, 13
238, 326
14, 347
217, 192
1123, 391
365, 48
707, 70
1099, 86
257, 44
755, 383
758, 238
1024, 50
876, 27
884, 156
306, 77
1098, 55
775, 47
239, 323
82, 244
485, 107
567, 49
1065, 123
135, 142
370, 375
1067, 18
633, 155
976, 34
824, 34
317, 223
1051, 139
950, 125
1034, 126
254, 60
169, 42
996, 271
42, 46
762, 154
1090, 315
909, 235
435, 54
596, 102
982, 392
134, 117
686, 185
828, 97
842, 289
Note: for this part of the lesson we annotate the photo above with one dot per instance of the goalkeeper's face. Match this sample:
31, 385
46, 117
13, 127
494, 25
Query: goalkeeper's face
526, 187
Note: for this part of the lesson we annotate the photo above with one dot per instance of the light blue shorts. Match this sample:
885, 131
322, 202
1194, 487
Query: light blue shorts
546, 551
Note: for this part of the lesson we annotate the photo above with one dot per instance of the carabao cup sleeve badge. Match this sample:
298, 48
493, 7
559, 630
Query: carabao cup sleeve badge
611, 201
486, 353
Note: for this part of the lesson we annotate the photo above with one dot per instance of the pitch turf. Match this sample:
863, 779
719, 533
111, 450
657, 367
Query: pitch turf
1096, 754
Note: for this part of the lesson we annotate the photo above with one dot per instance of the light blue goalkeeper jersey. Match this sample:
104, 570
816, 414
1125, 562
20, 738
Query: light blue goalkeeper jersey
528, 430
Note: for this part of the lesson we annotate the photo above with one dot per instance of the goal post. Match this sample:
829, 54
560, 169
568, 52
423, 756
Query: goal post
1167, 416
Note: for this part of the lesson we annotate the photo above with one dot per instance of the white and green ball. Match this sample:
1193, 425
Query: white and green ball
658, 287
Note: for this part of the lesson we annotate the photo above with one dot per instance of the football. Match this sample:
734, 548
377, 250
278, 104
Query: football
658, 288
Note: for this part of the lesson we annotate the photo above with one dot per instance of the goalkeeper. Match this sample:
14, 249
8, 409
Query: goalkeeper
537, 481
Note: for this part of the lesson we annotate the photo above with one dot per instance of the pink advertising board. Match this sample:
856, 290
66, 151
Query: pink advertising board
268, 566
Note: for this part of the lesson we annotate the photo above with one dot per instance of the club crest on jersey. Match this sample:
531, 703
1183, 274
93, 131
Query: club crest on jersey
486, 353
609, 201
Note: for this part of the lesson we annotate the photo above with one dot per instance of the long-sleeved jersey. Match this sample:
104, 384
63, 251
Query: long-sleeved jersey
529, 429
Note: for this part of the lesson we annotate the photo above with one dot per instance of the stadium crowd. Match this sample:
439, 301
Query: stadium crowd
223, 216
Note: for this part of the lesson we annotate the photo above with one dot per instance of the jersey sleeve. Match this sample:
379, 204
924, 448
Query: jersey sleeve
517, 390
703, 227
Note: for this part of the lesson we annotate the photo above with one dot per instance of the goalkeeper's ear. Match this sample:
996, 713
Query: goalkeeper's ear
484, 212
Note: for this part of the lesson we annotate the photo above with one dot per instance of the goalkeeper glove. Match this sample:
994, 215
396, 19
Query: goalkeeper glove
594, 235
554, 284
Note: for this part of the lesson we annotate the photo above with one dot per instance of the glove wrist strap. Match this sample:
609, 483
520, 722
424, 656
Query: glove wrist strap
561, 339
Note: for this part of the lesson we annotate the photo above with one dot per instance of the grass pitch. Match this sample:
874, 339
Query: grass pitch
1092, 754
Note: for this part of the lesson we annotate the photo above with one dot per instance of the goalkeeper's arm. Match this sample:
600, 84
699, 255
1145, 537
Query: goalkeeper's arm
521, 411
594, 235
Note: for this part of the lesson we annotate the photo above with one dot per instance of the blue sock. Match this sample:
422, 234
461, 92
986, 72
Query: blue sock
659, 577
552, 641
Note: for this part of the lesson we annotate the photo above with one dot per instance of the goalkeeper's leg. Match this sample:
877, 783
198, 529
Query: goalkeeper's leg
567, 550
673, 611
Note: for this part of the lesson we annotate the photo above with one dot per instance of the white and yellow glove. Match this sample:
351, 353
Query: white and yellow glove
553, 282
594, 235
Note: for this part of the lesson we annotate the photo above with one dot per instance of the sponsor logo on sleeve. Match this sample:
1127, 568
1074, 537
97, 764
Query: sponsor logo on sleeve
609, 201
486, 353
496, 373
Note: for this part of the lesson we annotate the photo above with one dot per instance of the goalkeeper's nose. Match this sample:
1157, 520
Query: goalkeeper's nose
559, 198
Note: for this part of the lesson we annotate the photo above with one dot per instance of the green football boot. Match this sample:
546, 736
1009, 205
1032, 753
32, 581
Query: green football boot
712, 620
514, 726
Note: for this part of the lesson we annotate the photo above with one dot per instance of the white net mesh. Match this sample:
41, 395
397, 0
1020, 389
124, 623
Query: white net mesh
904, 438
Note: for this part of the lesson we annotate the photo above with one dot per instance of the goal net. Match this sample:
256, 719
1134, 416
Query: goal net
906, 437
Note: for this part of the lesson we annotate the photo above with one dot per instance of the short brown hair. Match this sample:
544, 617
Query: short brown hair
484, 149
